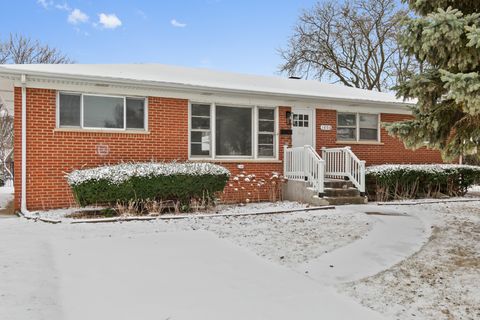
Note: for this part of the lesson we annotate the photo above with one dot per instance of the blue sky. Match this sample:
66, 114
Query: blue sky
231, 35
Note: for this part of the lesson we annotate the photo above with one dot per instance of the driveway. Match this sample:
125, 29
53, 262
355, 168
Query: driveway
71, 272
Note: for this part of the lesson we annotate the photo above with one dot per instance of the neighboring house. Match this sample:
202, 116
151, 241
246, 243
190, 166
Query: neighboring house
88, 115
6, 94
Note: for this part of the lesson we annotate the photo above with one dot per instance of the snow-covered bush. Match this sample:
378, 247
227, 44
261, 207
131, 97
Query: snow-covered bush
142, 182
246, 188
402, 181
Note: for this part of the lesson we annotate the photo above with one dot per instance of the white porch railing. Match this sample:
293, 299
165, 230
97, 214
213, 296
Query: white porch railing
304, 164
342, 162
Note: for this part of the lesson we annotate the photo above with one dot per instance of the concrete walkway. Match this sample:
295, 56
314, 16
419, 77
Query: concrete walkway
394, 237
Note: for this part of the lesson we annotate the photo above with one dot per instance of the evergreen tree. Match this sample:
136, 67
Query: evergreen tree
444, 36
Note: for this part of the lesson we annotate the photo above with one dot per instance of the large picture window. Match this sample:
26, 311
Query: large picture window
233, 131
219, 131
357, 127
101, 112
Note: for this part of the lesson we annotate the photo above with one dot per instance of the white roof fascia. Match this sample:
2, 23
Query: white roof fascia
290, 99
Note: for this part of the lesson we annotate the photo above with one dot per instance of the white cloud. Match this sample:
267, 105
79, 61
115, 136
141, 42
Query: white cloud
177, 24
63, 6
109, 21
45, 3
77, 16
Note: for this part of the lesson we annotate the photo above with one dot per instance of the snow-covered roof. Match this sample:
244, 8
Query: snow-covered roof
201, 79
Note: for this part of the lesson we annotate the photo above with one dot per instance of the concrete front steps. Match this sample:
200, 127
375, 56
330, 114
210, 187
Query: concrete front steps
337, 192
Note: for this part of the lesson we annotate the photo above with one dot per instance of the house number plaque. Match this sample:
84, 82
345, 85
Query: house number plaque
325, 127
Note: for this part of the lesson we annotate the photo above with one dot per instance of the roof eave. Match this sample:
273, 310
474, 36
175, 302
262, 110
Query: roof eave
100, 80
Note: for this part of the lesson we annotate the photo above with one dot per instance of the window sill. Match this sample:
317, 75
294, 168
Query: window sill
236, 160
114, 131
377, 143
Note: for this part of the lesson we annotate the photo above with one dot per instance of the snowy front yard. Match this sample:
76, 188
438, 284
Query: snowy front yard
399, 262
174, 269
441, 281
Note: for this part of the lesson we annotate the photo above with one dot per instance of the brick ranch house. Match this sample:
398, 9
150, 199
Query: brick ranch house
73, 116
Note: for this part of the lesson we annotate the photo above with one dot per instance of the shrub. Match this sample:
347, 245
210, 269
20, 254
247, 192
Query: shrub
248, 188
141, 183
388, 182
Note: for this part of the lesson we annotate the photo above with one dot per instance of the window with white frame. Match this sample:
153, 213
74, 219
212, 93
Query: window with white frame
200, 130
223, 131
357, 126
300, 120
266, 132
76, 110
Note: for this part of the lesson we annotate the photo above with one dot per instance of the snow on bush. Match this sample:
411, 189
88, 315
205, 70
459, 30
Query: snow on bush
119, 173
404, 181
426, 168
138, 185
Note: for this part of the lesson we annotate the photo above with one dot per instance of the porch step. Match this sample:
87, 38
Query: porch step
345, 200
341, 192
338, 192
338, 184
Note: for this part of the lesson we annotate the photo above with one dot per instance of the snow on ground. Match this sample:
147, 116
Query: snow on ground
253, 266
6, 195
60, 214
441, 280
158, 270
474, 189
288, 238
394, 236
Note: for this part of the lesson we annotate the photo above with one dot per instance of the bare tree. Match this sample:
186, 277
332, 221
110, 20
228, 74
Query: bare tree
20, 49
6, 139
352, 42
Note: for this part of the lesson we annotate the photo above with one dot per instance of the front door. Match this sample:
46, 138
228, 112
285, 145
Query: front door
302, 127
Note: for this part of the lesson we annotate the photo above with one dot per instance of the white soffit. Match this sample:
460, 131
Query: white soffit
175, 77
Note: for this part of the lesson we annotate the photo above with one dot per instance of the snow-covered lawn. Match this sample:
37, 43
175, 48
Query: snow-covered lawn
6, 195
302, 265
287, 238
442, 280
177, 269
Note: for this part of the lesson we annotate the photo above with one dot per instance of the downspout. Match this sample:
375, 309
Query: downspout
23, 201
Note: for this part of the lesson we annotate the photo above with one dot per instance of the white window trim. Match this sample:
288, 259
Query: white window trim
357, 127
213, 155
274, 133
83, 127
190, 115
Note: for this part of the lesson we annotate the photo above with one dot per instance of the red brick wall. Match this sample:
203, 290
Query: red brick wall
51, 153
391, 150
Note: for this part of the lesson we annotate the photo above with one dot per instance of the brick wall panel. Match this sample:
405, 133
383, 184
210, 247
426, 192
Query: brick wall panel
391, 150
52, 153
